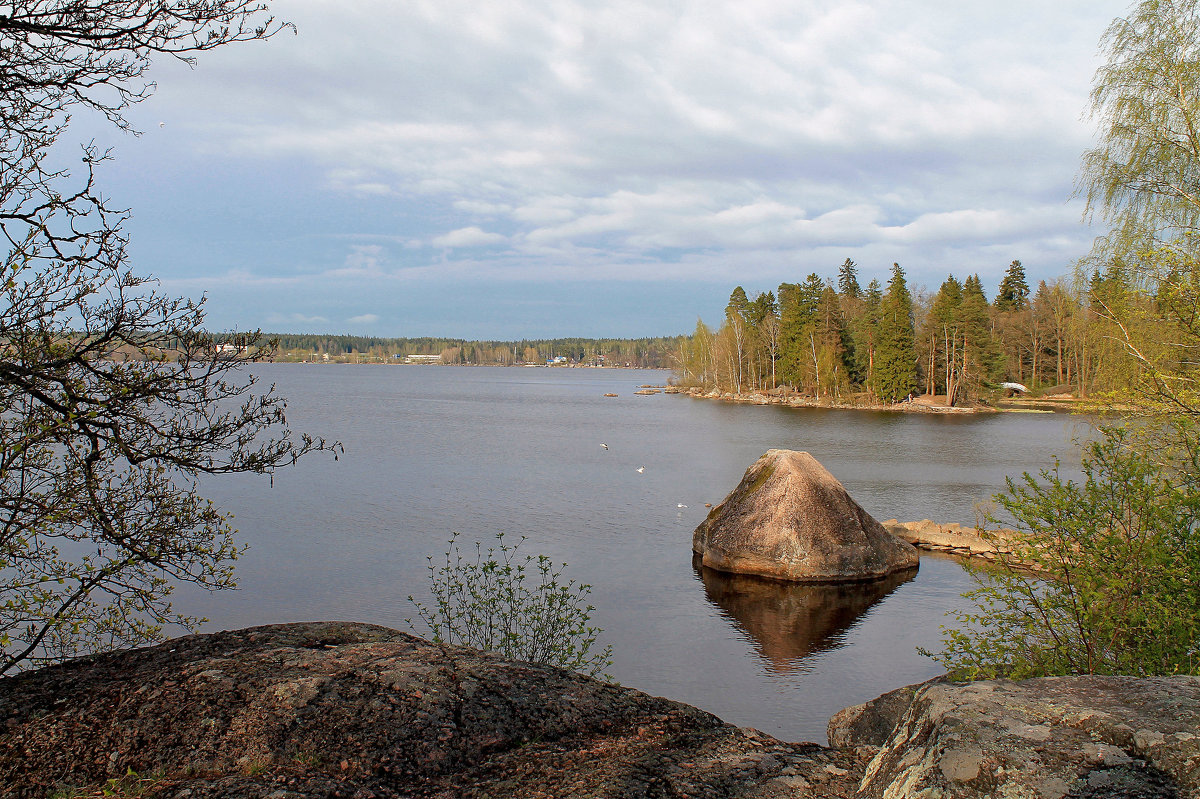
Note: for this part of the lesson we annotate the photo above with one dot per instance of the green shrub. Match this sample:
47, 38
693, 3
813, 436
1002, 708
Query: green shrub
517, 606
1114, 583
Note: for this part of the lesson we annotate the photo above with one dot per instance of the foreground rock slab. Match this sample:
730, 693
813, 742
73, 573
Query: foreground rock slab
1111, 737
352, 710
790, 519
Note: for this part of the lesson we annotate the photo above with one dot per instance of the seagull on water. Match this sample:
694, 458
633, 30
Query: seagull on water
681, 505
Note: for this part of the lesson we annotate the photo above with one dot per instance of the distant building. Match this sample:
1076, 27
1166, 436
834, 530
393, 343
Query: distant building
423, 359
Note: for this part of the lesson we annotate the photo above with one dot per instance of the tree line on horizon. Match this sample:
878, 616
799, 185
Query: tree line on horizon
641, 353
835, 341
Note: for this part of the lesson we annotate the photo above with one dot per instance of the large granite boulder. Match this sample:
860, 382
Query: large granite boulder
1111, 737
790, 519
334, 709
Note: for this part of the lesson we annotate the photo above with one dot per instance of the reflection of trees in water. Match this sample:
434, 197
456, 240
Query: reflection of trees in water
790, 621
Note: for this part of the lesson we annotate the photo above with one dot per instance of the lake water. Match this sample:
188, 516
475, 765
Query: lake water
430, 451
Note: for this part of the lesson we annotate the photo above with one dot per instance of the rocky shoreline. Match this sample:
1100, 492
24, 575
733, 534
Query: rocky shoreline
335, 709
919, 404
792, 400
951, 539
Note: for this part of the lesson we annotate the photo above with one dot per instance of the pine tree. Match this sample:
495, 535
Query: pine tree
739, 304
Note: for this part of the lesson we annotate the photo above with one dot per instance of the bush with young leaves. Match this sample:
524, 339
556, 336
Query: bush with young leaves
1104, 576
518, 606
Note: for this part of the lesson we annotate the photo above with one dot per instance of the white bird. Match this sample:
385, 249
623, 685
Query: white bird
681, 505
641, 469
604, 445
162, 124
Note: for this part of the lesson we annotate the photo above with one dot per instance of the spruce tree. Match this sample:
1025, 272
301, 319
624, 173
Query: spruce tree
831, 344
895, 372
798, 304
1014, 290
865, 333
848, 279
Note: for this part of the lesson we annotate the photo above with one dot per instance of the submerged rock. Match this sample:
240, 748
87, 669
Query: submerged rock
790, 519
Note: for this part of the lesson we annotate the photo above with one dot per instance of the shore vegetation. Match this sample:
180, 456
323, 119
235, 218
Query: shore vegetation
519, 606
1118, 553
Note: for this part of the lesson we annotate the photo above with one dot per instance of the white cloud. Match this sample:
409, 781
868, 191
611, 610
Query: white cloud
643, 140
364, 319
276, 318
363, 259
468, 237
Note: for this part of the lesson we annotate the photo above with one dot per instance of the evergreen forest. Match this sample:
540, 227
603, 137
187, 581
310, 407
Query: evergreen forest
839, 341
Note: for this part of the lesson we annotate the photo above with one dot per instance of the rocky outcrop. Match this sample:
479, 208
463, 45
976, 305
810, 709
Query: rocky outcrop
333, 709
1042, 739
872, 723
955, 539
790, 399
336, 709
790, 519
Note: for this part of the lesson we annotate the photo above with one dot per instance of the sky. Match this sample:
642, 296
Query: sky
537, 168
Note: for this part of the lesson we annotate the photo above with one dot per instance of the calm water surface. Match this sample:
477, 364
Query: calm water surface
430, 451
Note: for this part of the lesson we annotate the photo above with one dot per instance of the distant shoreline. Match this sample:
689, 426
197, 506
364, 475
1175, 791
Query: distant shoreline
373, 361
920, 403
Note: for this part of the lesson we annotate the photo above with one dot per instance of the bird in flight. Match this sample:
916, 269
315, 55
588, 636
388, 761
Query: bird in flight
641, 469
604, 445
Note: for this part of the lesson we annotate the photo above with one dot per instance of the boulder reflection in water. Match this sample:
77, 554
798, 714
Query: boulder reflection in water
790, 621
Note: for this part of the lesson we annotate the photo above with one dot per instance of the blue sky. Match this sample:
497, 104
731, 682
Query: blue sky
555, 168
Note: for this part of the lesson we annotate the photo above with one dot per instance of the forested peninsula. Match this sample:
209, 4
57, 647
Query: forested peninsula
836, 344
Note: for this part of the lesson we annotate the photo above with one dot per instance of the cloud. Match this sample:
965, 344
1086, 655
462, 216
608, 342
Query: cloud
558, 140
276, 318
363, 260
468, 237
364, 319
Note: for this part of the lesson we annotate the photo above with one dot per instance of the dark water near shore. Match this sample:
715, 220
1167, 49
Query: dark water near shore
434, 450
